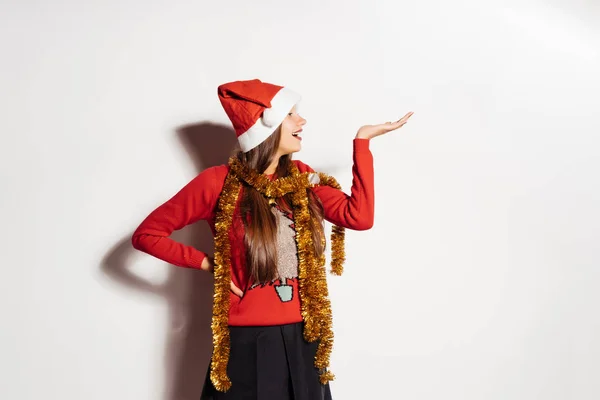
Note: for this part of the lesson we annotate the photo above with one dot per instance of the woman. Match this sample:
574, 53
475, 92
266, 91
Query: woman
271, 323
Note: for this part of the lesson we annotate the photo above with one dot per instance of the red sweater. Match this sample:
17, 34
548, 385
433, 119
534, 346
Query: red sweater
274, 303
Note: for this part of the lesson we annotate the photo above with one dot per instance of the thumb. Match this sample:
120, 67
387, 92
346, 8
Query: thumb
236, 290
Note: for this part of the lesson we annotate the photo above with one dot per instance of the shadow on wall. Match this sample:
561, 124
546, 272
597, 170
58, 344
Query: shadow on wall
188, 292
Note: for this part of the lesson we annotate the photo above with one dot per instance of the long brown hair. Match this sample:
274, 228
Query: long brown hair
260, 223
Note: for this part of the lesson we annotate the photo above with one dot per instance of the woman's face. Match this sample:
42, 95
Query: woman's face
291, 129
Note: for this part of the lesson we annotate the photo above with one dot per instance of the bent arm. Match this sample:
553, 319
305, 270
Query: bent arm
357, 210
194, 202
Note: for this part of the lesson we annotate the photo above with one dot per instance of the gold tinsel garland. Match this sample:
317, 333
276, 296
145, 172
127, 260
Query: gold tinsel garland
314, 296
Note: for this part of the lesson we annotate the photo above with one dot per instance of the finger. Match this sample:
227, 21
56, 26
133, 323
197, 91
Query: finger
236, 290
406, 117
400, 123
397, 124
390, 126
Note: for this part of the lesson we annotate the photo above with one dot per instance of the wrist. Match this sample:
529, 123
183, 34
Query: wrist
361, 136
207, 264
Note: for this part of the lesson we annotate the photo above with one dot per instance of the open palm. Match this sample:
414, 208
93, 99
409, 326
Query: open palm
371, 131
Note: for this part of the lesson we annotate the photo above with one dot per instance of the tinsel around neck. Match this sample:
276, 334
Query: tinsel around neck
314, 296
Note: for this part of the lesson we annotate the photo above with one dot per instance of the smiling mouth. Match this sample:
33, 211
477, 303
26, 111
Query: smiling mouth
295, 134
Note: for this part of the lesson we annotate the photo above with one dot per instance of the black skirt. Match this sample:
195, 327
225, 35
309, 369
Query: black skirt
270, 363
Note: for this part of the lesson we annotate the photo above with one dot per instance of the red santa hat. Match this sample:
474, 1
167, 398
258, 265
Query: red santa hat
255, 109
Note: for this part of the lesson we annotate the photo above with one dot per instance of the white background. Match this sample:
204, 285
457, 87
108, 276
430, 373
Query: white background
480, 277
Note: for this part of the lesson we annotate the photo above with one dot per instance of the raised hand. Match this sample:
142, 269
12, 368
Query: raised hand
371, 131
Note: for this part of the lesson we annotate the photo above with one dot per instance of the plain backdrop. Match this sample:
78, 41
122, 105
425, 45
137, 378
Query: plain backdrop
479, 279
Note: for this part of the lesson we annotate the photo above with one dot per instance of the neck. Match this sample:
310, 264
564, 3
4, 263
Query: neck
273, 167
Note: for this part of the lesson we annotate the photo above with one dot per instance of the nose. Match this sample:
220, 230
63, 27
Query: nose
302, 122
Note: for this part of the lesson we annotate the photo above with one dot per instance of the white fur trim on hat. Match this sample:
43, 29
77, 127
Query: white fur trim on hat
272, 117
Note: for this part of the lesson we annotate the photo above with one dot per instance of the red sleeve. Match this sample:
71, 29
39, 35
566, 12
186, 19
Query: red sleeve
194, 202
356, 211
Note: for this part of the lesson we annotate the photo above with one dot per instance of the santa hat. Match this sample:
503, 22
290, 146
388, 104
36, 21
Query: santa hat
255, 109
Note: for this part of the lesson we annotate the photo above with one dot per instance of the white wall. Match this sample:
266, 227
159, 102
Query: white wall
479, 278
